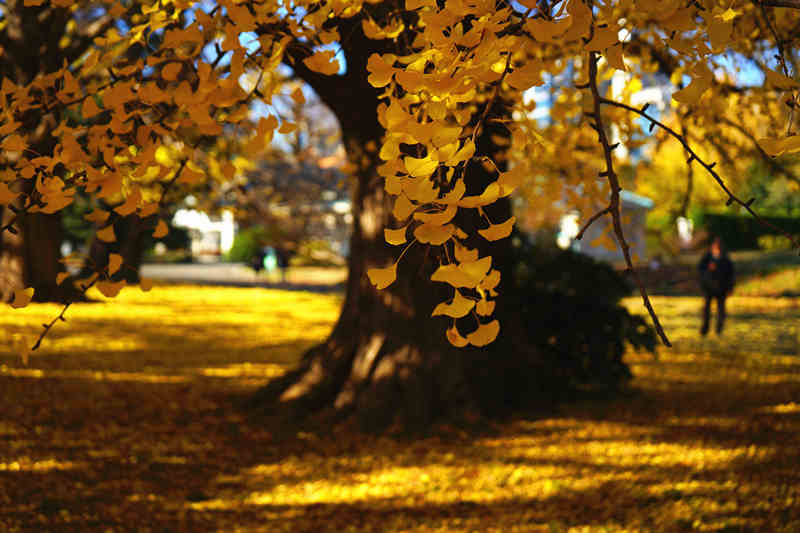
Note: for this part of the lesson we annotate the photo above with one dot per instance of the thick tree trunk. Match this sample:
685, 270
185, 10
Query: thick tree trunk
387, 361
30, 258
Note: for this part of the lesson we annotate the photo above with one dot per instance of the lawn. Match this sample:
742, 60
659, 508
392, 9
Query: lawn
128, 419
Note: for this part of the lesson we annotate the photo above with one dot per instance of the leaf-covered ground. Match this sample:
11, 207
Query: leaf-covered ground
127, 420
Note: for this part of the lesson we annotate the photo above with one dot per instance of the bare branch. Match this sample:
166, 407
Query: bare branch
732, 198
591, 220
614, 203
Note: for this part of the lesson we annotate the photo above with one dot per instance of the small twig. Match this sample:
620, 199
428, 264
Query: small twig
793, 4
591, 220
46, 327
614, 203
781, 59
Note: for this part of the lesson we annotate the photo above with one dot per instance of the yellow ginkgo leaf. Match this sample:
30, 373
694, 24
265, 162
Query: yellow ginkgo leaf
485, 334
693, 92
130, 204
191, 174
613, 55
729, 14
110, 289
455, 195
463, 154
547, 30
402, 207
380, 72
61, 277
298, 96
395, 236
779, 81
485, 307
287, 127
459, 307
421, 190
323, 62
603, 38
454, 276
421, 168
6, 195
114, 262
455, 338
161, 230
22, 297
170, 71
98, 216
476, 269
526, 76
489, 195
509, 181
495, 232
107, 234
438, 217
491, 281
382, 277
464, 254
776, 147
148, 209
433, 233
13, 143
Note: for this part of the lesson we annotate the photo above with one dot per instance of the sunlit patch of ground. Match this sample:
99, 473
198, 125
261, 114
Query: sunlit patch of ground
127, 421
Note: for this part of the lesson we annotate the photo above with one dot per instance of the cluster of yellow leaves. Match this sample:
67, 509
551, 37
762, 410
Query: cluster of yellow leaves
463, 56
141, 119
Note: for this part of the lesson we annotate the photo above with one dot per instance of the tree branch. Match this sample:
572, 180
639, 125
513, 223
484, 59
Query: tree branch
792, 4
709, 167
614, 203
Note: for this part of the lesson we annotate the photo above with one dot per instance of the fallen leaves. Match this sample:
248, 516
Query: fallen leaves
147, 428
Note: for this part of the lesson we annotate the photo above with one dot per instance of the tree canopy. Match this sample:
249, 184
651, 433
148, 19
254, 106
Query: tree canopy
129, 102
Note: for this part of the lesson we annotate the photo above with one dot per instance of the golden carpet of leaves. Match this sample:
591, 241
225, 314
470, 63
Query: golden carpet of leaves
127, 420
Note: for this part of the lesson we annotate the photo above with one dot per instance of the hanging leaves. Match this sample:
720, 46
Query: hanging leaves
382, 277
457, 308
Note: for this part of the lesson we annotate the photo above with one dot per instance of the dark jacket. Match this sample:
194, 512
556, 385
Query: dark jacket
717, 275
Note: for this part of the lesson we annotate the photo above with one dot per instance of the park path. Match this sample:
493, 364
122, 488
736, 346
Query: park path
314, 279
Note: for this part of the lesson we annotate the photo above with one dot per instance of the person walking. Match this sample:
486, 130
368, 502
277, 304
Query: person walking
717, 278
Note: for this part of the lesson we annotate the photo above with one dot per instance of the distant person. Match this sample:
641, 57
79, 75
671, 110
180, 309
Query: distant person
257, 261
717, 278
282, 261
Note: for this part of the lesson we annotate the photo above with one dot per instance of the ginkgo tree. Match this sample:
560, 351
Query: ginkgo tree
431, 99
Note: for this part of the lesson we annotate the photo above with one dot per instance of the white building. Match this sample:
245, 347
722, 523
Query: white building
210, 237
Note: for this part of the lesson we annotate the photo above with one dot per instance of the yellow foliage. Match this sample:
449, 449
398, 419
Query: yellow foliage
123, 118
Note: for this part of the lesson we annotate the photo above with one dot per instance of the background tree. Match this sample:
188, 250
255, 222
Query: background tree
34, 44
429, 95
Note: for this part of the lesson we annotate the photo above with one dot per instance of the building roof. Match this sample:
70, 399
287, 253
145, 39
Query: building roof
637, 200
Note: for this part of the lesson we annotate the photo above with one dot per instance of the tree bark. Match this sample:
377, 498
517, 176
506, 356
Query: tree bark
30, 258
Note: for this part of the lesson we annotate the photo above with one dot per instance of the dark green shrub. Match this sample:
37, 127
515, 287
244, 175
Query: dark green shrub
247, 243
572, 306
742, 232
